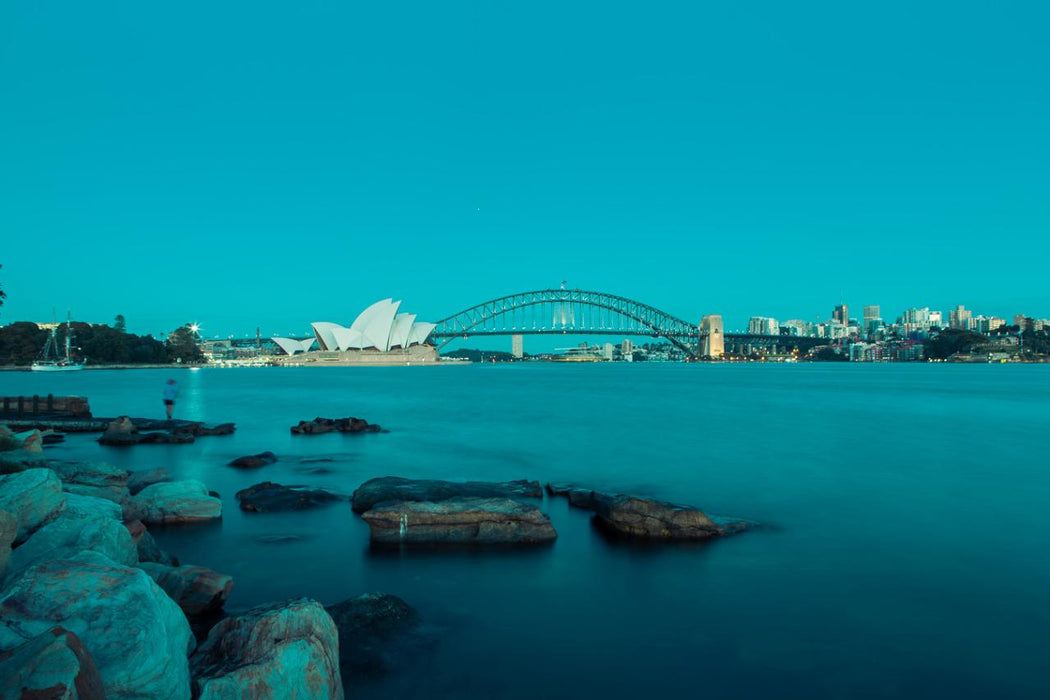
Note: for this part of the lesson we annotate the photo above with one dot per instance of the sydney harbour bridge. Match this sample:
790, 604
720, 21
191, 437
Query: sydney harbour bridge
583, 312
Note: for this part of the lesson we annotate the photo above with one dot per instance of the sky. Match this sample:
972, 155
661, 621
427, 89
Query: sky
266, 165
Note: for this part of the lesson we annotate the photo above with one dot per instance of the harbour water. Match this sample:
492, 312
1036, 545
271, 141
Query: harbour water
903, 551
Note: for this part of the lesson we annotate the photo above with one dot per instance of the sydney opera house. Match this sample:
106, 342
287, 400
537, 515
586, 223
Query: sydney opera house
379, 335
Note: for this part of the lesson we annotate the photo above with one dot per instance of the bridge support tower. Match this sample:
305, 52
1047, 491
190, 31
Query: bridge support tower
714, 345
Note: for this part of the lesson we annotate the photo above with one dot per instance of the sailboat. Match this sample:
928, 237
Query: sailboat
50, 360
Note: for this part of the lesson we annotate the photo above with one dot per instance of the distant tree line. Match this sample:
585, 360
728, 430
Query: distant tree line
98, 344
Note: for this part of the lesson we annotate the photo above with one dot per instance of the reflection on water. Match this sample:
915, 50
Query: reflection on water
904, 510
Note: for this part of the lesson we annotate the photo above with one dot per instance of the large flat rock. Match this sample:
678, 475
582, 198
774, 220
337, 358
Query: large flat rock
68, 535
459, 521
395, 488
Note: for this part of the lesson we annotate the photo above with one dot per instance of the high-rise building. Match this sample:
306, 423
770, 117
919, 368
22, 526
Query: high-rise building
714, 345
517, 345
871, 312
626, 347
841, 314
960, 318
760, 325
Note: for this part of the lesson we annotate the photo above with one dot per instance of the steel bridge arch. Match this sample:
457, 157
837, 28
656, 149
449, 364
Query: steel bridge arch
657, 323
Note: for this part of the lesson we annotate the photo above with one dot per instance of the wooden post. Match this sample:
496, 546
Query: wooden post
36, 404
50, 403
21, 406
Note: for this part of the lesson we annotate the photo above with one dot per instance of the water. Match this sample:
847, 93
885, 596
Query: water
905, 551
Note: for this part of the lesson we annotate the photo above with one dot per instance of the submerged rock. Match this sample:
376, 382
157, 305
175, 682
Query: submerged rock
372, 628
137, 635
174, 502
34, 497
459, 521
123, 432
268, 497
288, 649
395, 488
197, 589
254, 461
54, 664
334, 425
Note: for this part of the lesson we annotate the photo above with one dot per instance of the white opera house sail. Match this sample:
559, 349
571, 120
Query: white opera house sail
379, 335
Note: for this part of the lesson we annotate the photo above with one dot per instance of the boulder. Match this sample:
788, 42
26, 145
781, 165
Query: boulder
137, 635
146, 546
78, 506
395, 488
121, 426
123, 432
268, 497
254, 461
54, 664
288, 649
372, 627
459, 521
96, 479
197, 589
318, 426
8, 531
34, 497
645, 518
67, 536
174, 502
139, 480
220, 429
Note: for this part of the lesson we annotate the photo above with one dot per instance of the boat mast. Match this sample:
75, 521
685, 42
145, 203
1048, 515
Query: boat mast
69, 331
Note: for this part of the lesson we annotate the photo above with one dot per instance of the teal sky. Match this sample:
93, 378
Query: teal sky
272, 164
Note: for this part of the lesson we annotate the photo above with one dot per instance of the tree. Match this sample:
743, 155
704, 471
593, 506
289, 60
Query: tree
3, 294
119, 324
182, 345
952, 341
21, 343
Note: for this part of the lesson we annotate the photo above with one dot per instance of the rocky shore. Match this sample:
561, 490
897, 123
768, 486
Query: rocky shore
91, 607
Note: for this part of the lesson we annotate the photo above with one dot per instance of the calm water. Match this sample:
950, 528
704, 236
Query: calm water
906, 551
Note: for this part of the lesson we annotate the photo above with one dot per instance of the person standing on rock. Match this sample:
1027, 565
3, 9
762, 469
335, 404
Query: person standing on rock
171, 390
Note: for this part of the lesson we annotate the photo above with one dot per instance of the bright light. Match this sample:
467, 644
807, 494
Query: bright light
195, 327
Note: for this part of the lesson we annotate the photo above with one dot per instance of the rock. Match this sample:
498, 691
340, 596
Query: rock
174, 502
54, 664
34, 497
137, 635
645, 518
139, 480
8, 531
253, 461
220, 429
334, 425
579, 497
146, 546
395, 488
32, 441
197, 589
370, 627
78, 506
268, 497
68, 536
288, 649
121, 426
459, 521
96, 479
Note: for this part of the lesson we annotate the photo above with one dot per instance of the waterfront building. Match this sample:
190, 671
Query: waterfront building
627, 347
379, 335
608, 351
517, 346
960, 318
865, 352
714, 338
987, 324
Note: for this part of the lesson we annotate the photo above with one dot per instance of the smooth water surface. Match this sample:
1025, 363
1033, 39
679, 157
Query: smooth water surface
904, 548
